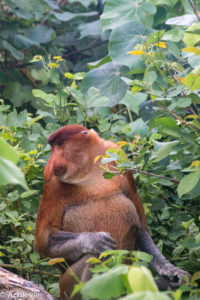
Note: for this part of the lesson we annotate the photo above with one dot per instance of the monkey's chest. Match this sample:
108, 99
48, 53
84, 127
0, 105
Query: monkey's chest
115, 214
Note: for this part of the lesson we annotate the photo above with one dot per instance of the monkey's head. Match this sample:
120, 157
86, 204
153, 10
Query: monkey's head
73, 149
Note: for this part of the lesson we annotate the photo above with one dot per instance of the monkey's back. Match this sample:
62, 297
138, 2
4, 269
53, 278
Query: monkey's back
113, 213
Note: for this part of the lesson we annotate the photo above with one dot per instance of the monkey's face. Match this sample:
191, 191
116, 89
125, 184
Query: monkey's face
73, 149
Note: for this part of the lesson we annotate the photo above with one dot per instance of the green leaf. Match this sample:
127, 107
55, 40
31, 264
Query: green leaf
90, 29
165, 149
191, 39
140, 279
170, 3
107, 79
146, 296
183, 102
174, 35
67, 16
106, 286
7, 152
188, 183
118, 12
94, 99
16, 53
185, 20
98, 63
11, 174
123, 39
40, 34
49, 98
133, 101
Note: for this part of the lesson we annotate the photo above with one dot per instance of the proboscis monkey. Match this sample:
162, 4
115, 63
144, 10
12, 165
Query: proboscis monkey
82, 214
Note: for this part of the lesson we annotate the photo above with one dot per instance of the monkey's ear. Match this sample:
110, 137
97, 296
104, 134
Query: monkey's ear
48, 171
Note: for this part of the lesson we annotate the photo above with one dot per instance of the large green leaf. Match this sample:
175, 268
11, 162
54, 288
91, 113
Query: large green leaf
7, 152
146, 296
123, 39
107, 79
14, 52
140, 279
106, 286
17, 94
10, 173
134, 101
185, 20
67, 16
164, 149
39, 34
117, 12
187, 183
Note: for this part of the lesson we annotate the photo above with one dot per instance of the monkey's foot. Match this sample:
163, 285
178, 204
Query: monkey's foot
175, 275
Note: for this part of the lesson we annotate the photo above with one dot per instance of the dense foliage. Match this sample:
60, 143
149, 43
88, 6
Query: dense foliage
133, 74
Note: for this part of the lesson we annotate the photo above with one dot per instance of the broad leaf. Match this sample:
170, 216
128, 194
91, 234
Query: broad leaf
10, 173
67, 16
7, 152
14, 52
133, 101
106, 286
140, 279
165, 149
188, 183
185, 20
117, 12
123, 39
107, 79
146, 296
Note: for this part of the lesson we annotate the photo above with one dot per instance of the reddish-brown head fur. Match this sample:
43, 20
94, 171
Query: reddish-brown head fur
73, 149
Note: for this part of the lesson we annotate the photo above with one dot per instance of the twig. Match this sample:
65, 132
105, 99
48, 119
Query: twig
91, 46
188, 124
155, 175
194, 9
9, 266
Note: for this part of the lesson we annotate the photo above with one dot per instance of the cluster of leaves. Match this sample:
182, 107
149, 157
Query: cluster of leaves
144, 90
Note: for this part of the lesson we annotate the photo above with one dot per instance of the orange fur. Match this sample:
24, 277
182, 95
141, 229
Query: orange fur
109, 205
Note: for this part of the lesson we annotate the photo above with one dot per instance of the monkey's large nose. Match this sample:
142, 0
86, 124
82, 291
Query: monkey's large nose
59, 170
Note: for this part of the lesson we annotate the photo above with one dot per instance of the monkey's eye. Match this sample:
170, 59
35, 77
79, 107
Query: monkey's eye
60, 143
84, 132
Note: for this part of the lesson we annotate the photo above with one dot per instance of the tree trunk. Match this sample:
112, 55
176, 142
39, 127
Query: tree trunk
14, 287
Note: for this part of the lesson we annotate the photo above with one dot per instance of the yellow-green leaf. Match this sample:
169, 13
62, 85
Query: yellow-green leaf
137, 52
69, 75
54, 261
161, 44
121, 143
93, 260
141, 279
192, 117
195, 164
194, 50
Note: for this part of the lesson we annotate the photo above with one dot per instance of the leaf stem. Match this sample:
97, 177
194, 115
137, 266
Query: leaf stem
194, 9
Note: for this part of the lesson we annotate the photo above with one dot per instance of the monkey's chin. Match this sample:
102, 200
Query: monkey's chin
75, 181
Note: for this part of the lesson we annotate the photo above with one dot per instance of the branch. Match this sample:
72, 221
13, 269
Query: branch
155, 175
188, 124
194, 9
91, 46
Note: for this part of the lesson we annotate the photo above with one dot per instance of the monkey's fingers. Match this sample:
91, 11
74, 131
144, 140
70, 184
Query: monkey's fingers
175, 275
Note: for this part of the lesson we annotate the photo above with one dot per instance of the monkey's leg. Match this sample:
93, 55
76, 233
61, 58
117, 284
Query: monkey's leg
159, 262
67, 281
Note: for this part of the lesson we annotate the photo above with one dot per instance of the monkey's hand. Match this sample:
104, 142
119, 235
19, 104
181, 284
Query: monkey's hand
174, 274
73, 245
95, 242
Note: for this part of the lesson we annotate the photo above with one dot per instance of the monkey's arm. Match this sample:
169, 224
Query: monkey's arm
73, 245
159, 262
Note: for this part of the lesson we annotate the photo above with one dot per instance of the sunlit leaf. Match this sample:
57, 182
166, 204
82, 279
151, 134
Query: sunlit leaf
54, 261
